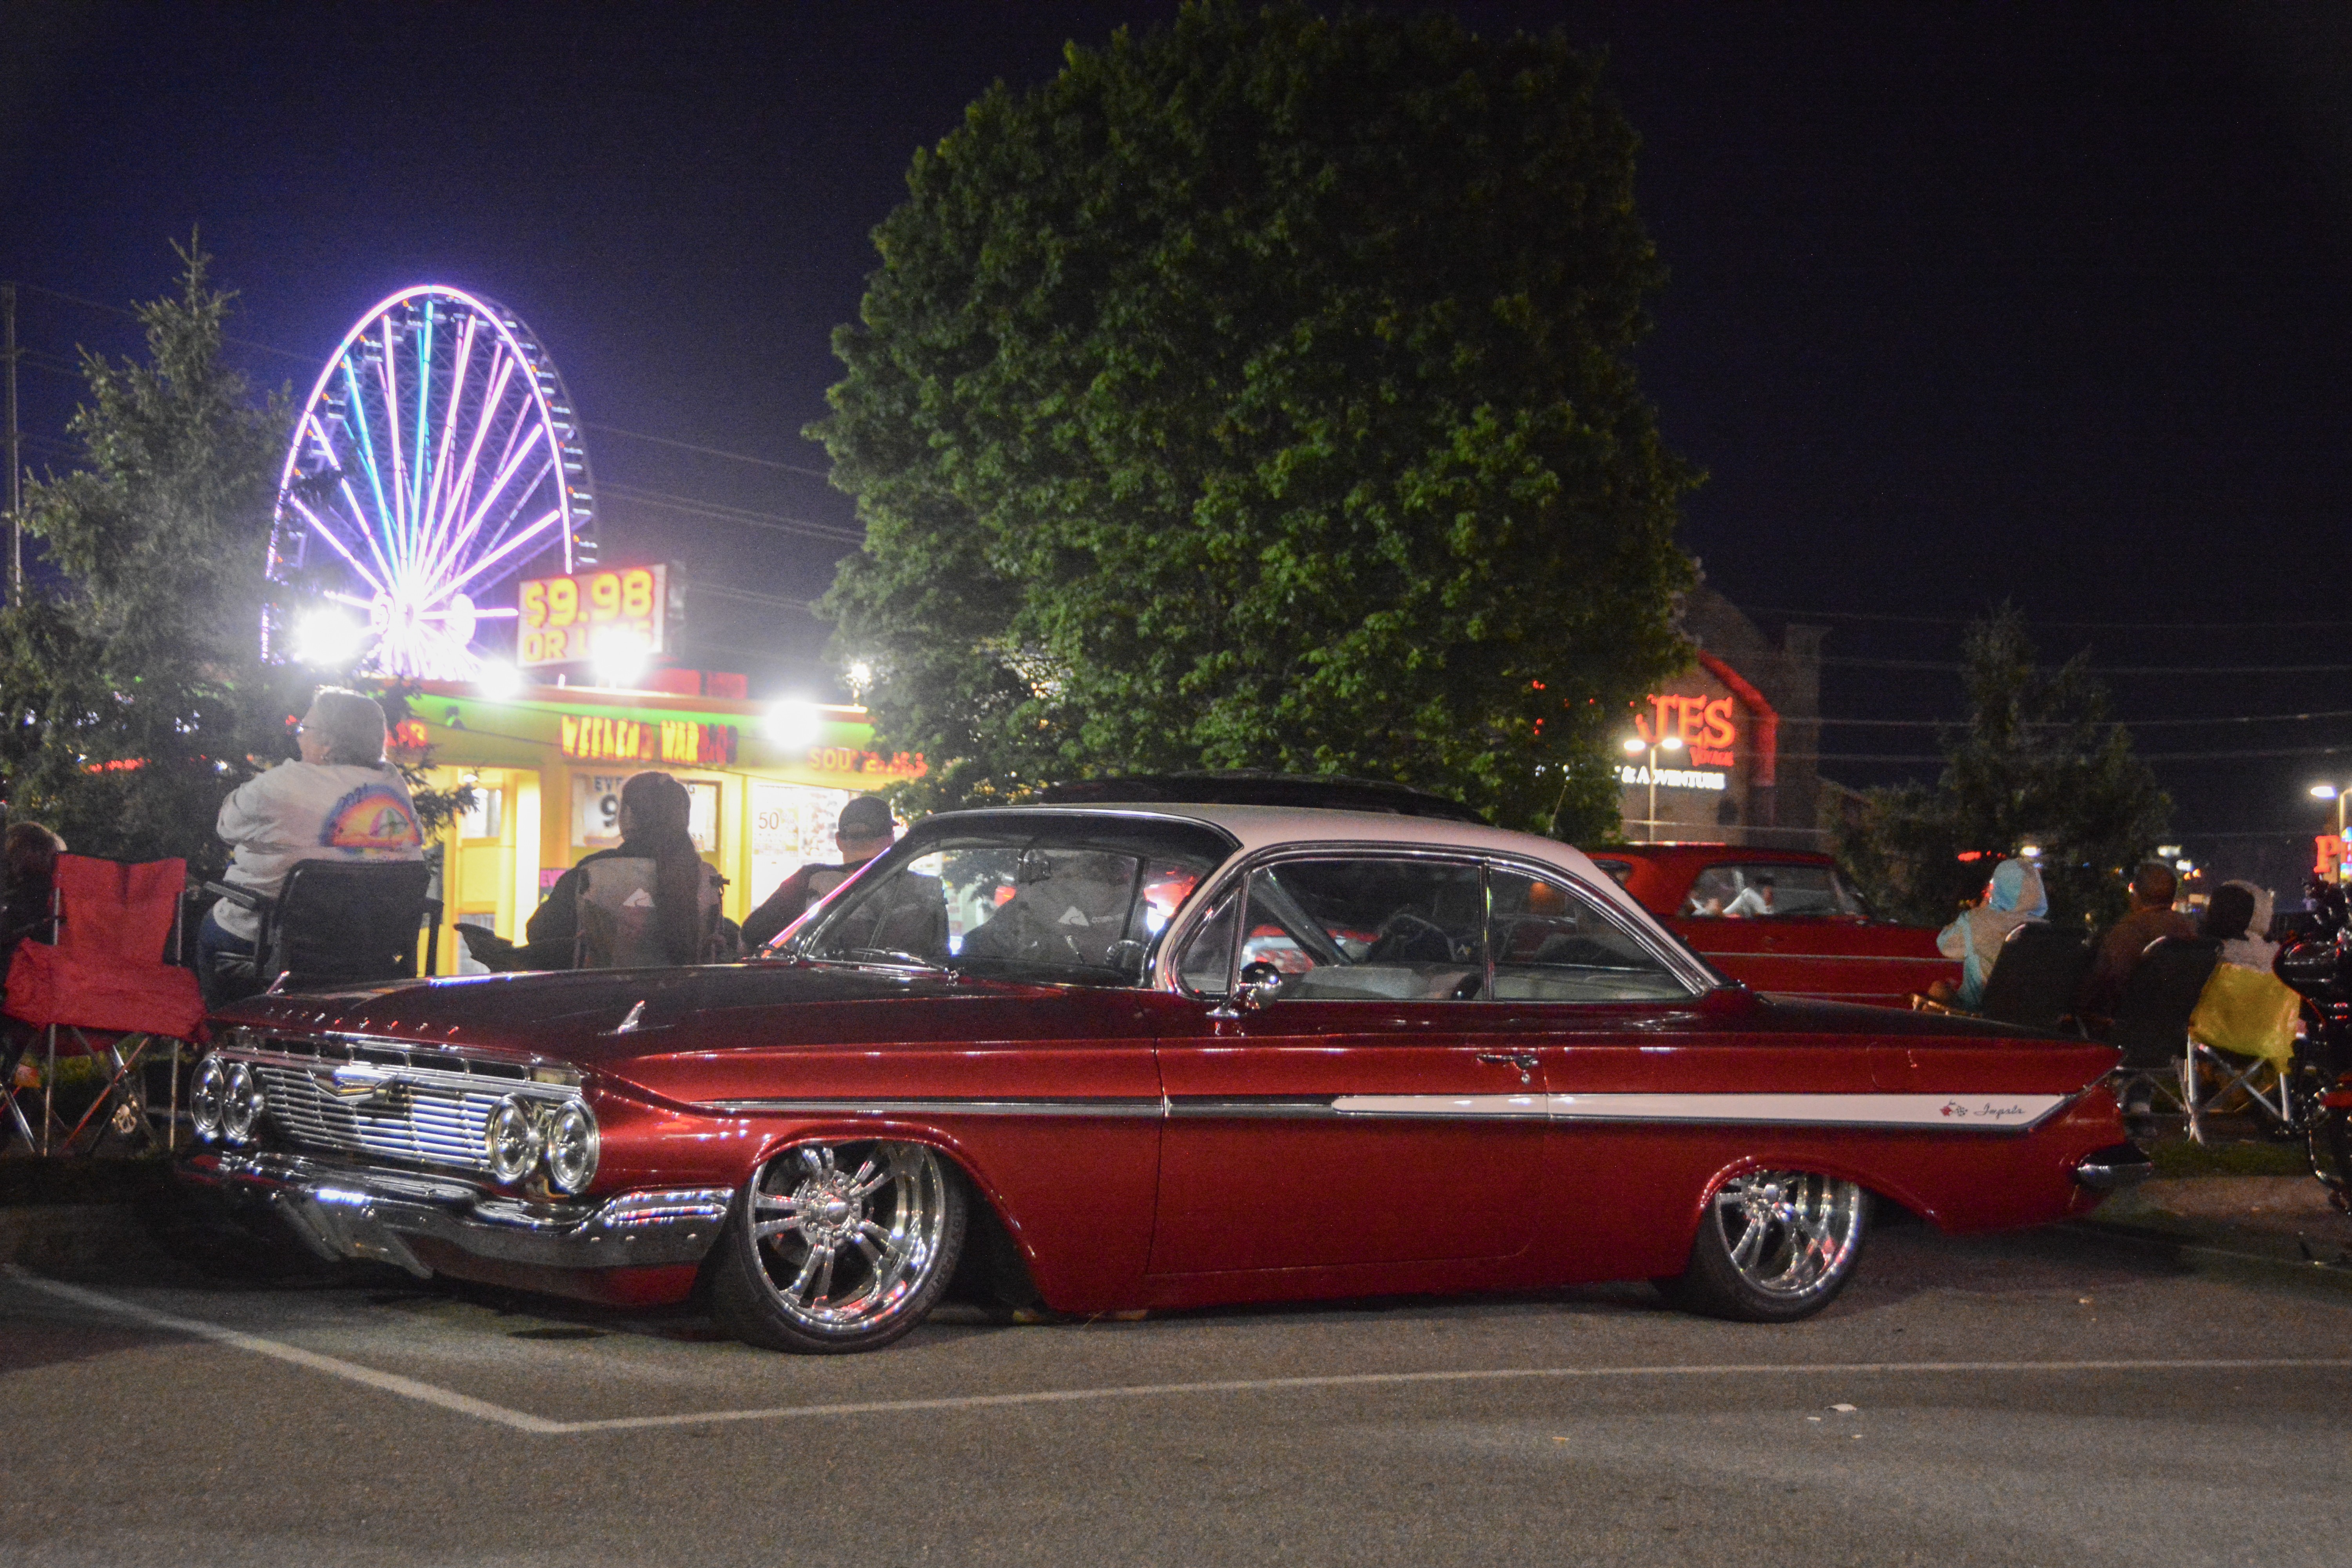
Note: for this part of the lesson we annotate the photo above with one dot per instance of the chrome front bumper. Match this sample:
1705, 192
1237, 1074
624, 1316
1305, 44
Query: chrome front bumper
346, 1211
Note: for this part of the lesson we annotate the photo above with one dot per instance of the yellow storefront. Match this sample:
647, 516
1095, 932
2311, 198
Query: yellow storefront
547, 766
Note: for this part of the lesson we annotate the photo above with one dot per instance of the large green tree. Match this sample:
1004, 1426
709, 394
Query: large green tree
2039, 761
131, 683
1256, 393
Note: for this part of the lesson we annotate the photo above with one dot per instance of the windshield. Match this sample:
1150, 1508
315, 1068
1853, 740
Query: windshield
1031, 896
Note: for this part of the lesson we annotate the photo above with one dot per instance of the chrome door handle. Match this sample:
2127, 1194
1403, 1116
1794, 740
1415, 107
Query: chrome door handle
1523, 1060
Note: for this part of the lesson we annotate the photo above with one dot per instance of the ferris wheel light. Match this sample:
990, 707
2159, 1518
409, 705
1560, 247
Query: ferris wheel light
326, 640
794, 723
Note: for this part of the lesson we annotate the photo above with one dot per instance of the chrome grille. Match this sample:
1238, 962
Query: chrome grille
410, 1121
384, 1100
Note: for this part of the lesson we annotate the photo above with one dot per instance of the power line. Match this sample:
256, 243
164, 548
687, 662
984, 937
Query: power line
2114, 668
710, 451
2035, 621
133, 315
745, 596
803, 527
2127, 723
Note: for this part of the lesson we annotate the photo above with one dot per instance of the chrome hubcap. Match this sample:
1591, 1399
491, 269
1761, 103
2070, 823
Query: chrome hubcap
845, 1234
1790, 1234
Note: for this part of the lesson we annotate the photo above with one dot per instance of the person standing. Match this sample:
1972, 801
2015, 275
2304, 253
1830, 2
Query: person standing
341, 801
864, 831
2152, 916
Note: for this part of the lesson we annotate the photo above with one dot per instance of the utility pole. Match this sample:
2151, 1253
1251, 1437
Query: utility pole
15, 455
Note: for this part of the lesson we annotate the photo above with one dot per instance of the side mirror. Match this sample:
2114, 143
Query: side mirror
1260, 982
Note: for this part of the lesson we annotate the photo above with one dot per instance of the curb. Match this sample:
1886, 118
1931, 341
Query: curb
50, 1237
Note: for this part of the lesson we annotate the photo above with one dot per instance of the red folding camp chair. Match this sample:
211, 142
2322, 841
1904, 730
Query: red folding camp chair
104, 990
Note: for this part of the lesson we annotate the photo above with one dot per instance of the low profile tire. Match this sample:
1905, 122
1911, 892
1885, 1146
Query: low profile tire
839, 1247
1773, 1246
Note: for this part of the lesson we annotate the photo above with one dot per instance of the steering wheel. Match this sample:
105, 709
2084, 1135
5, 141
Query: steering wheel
1406, 938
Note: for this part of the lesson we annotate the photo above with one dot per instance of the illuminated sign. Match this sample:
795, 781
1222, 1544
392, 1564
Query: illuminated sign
569, 620
849, 760
1670, 778
1703, 724
680, 742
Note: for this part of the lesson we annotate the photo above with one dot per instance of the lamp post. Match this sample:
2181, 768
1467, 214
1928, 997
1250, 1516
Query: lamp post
1635, 746
2335, 794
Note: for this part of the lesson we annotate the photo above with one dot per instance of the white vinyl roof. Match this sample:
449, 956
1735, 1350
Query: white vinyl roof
1260, 827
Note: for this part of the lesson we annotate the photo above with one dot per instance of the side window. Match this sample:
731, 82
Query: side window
1620, 871
1206, 966
1552, 944
1369, 929
1748, 892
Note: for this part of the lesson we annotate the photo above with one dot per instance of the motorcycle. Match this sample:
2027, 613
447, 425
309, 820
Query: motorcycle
2319, 967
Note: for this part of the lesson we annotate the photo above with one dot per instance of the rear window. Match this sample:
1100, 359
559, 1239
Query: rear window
1766, 891
1619, 871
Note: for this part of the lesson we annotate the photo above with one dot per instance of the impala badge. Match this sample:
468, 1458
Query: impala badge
369, 1087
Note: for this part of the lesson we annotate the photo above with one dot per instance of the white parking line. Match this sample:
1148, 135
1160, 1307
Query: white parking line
521, 1421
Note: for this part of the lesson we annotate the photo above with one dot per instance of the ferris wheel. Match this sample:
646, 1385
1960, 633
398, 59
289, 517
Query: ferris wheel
439, 460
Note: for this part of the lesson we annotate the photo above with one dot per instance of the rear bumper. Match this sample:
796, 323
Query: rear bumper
2113, 1168
344, 1211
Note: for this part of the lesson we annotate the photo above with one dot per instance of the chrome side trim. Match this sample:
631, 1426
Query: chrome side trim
1942, 1112
344, 1211
1108, 1106
1939, 1112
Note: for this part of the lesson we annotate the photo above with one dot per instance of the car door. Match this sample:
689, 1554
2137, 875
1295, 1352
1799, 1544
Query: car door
1649, 1092
1359, 1116
1794, 927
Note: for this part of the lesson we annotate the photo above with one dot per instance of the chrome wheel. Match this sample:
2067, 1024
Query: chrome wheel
847, 1244
1788, 1236
1772, 1247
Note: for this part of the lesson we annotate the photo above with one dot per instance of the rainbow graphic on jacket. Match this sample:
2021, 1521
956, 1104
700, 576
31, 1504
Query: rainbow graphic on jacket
373, 819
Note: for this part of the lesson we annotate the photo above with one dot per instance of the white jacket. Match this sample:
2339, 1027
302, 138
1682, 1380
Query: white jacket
310, 811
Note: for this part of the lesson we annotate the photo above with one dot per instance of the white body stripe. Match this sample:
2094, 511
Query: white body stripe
1950, 1112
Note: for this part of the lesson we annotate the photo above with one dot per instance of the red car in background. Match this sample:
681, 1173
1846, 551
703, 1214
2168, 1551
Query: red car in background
1778, 920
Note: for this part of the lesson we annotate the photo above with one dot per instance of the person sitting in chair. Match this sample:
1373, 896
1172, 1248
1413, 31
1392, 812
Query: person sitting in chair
864, 830
2013, 898
340, 800
2152, 916
684, 891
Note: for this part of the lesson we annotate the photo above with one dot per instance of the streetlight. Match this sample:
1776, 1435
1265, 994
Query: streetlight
1635, 746
2336, 794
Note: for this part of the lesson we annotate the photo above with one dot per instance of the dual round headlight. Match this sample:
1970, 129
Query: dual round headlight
207, 1095
522, 1133
224, 1102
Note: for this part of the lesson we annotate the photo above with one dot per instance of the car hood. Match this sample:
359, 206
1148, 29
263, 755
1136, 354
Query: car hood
586, 1017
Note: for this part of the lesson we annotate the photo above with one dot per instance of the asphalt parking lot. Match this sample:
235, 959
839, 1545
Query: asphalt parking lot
2053, 1397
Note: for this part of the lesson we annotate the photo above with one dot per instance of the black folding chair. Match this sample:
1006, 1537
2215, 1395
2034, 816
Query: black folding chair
333, 922
2151, 1025
2034, 981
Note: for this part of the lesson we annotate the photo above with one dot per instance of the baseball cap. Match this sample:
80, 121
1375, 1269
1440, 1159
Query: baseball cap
867, 816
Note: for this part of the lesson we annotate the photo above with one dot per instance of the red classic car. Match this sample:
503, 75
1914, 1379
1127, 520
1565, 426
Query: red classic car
1028, 1053
1778, 920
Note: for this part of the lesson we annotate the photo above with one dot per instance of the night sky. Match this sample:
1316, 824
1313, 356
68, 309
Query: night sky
1967, 304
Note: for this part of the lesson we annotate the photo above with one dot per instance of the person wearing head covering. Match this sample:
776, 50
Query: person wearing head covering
2152, 916
865, 830
654, 823
2244, 1008
2014, 898
2239, 917
340, 800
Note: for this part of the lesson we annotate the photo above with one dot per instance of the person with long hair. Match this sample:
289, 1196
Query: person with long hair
654, 809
